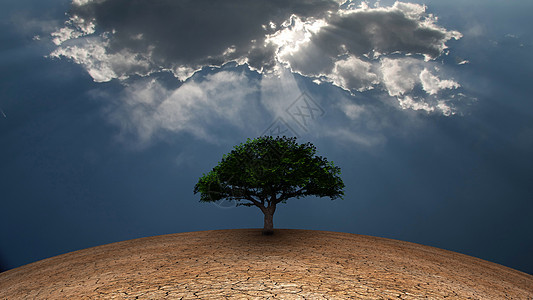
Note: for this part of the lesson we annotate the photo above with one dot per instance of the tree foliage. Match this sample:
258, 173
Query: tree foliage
266, 170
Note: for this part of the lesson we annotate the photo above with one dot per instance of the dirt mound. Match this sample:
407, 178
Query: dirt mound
243, 264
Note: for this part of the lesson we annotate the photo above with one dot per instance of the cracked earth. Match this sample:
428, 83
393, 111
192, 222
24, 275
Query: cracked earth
243, 264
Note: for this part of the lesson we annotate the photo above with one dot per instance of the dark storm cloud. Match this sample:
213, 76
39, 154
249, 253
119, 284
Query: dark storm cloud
370, 33
385, 31
192, 34
139, 37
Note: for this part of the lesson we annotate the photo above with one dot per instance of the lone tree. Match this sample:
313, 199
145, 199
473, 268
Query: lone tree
266, 171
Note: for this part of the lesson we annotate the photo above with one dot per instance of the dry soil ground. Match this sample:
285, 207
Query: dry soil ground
243, 264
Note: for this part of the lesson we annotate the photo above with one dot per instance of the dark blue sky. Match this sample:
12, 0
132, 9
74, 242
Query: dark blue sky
99, 147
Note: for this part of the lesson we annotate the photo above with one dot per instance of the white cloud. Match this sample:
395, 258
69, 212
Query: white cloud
353, 74
353, 137
445, 108
415, 87
432, 84
296, 33
411, 10
408, 102
101, 65
74, 28
182, 73
293, 42
85, 2
65, 34
418, 104
196, 107
399, 76
352, 110
80, 2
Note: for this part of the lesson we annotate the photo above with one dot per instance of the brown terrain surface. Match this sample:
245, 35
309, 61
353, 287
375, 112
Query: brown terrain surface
243, 264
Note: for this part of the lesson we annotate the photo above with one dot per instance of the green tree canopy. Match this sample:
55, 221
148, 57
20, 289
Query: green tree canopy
266, 171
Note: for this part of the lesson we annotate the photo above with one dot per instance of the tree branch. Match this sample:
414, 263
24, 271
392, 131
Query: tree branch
255, 202
290, 195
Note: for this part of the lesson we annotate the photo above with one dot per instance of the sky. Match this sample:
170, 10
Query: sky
111, 110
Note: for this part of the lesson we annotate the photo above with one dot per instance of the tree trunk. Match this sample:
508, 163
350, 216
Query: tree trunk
268, 228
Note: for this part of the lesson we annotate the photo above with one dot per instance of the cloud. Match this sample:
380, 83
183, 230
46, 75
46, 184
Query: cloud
432, 84
344, 134
76, 27
219, 104
102, 65
392, 50
365, 32
416, 87
148, 109
399, 76
193, 34
353, 74
177, 35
